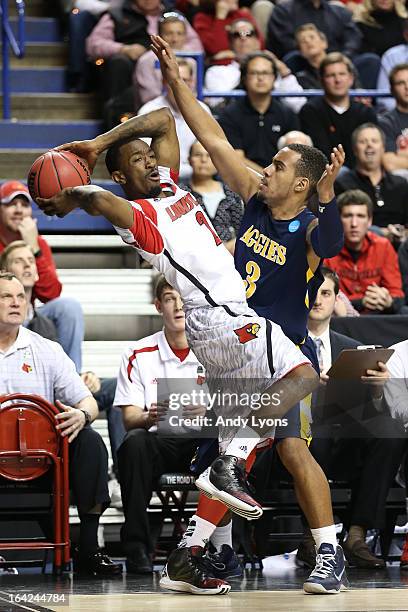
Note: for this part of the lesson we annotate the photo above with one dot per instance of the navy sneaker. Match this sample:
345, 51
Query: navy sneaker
224, 564
329, 575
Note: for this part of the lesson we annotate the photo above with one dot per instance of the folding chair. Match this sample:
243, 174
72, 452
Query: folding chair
30, 446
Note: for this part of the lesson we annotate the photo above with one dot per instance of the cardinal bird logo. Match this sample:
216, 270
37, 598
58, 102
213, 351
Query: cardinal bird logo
247, 332
26, 368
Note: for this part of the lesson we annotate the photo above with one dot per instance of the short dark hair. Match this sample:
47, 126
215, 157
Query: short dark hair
336, 58
365, 126
9, 276
333, 276
312, 164
112, 159
394, 70
355, 197
251, 56
160, 286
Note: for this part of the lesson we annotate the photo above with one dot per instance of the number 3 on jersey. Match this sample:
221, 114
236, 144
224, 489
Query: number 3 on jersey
253, 273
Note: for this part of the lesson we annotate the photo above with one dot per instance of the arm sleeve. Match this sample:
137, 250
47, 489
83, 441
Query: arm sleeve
327, 237
130, 390
390, 139
147, 79
193, 41
101, 41
212, 33
69, 388
351, 33
290, 83
48, 287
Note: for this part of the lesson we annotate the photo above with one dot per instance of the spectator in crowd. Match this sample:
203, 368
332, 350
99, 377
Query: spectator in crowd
312, 45
332, 118
390, 60
211, 25
368, 448
244, 39
294, 137
184, 134
403, 264
396, 396
395, 123
144, 455
120, 37
223, 206
254, 123
82, 18
51, 375
381, 23
367, 264
17, 223
147, 79
389, 193
333, 20
18, 259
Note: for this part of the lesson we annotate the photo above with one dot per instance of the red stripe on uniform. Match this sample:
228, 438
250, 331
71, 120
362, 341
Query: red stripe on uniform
146, 349
146, 233
174, 175
148, 209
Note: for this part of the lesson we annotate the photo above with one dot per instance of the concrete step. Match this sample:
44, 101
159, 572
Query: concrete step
53, 106
45, 135
38, 29
41, 80
15, 163
41, 54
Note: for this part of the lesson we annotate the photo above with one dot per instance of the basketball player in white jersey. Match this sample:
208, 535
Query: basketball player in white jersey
171, 231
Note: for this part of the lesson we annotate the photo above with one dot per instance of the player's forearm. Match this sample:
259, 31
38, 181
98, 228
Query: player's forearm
202, 124
151, 125
97, 201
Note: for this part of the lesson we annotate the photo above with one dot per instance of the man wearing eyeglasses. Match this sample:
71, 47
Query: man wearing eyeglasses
388, 192
243, 39
253, 124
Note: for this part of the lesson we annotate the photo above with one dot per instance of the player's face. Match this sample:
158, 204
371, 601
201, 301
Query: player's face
260, 77
369, 148
14, 212
323, 307
279, 179
337, 80
356, 222
13, 303
139, 168
21, 262
400, 88
171, 307
200, 161
243, 39
174, 33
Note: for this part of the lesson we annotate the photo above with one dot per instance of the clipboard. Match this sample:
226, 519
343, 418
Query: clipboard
352, 363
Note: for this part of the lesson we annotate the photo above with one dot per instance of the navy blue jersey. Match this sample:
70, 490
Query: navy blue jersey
271, 257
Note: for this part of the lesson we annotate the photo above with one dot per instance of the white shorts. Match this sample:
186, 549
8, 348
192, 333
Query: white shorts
240, 351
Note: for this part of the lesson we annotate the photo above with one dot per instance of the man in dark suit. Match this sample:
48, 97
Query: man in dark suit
368, 452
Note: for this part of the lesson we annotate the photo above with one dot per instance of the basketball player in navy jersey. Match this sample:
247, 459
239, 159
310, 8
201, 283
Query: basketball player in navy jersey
278, 253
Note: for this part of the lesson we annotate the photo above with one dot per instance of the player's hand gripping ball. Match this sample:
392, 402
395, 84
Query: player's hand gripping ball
55, 170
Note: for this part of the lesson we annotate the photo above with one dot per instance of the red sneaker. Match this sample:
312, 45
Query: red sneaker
404, 556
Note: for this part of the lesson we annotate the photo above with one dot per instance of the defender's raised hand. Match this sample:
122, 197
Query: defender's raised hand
325, 186
167, 59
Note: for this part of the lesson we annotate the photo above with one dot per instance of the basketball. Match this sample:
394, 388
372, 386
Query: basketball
55, 170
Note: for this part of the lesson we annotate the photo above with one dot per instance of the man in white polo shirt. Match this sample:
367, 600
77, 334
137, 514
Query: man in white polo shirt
145, 453
34, 365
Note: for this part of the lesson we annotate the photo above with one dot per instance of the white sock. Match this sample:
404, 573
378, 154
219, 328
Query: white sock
325, 535
222, 535
197, 533
243, 443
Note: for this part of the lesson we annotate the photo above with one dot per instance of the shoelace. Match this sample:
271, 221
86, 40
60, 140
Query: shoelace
324, 566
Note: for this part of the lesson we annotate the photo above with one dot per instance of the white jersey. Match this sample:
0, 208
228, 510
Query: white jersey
176, 237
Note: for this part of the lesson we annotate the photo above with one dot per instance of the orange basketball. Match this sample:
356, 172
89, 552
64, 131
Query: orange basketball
55, 170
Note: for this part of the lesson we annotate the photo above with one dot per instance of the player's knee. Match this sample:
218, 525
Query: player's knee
293, 453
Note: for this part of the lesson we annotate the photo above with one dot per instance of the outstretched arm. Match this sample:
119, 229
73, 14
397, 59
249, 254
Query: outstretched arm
228, 163
158, 125
93, 200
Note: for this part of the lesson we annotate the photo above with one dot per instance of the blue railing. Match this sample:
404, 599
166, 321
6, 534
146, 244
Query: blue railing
18, 48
